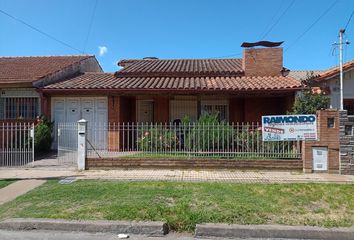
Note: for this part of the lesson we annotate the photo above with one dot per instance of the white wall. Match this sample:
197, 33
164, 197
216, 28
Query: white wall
348, 88
18, 92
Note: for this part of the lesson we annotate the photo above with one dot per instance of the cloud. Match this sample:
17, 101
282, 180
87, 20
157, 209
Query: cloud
102, 50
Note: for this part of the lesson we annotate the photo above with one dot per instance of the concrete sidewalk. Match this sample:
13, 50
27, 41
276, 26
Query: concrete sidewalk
17, 189
232, 176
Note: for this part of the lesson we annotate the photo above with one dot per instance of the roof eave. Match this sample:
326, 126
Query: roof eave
38, 82
24, 84
156, 91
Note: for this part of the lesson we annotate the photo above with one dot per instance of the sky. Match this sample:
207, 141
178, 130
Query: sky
124, 29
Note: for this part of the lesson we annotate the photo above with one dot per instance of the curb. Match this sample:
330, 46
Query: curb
272, 231
132, 227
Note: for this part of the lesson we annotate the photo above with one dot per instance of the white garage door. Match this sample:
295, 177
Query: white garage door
92, 109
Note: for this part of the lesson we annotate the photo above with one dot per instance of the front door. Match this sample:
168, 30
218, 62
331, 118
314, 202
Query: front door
145, 111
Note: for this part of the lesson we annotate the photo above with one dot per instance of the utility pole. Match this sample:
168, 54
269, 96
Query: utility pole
341, 31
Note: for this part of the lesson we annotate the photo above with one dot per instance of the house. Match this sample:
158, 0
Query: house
21, 77
166, 90
329, 82
149, 90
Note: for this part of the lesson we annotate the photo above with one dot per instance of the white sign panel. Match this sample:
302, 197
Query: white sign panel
289, 127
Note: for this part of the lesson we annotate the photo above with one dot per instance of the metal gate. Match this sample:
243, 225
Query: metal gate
16, 144
67, 144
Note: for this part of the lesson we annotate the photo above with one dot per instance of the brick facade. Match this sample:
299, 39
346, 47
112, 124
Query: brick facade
327, 137
236, 110
255, 108
241, 109
346, 144
263, 61
272, 164
45, 105
120, 109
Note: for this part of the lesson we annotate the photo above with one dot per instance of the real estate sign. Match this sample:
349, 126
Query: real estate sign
289, 127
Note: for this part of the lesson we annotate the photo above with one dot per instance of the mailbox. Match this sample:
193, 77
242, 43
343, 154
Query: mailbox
82, 126
82, 129
32, 132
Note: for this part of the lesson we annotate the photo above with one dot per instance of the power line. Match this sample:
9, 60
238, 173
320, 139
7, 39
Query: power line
312, 25
90, 24
350, 18
227, 56
278, 20
40, 31
271, 20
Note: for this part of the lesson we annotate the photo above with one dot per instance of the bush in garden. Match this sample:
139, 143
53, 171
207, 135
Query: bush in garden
207, 134
156, 138
308, 102
248, 138
43, 135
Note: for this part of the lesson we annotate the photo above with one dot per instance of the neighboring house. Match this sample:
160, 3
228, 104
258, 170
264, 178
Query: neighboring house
20, 78
303, 75
328, 80
161, 90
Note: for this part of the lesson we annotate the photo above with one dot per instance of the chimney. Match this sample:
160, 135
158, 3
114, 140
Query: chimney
262, 61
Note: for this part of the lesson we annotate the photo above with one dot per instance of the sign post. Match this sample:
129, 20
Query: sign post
289, 127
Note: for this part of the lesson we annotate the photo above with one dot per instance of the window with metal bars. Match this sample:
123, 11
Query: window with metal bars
20, 108
220, 110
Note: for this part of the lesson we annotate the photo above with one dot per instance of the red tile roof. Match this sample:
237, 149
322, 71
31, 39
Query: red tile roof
180, 67
109, 81
304, 74
335, 70
14, 70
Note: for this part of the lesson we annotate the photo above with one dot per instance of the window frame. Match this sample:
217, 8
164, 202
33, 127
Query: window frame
214, 104
20, 108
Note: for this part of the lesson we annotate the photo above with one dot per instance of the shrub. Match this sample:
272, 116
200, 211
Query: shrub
308, 103
207, 134
156, 138
248, 138
43, 135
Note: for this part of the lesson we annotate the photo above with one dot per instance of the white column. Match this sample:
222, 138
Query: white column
341, 66
81, 138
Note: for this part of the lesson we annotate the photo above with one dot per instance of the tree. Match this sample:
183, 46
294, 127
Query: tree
308, 102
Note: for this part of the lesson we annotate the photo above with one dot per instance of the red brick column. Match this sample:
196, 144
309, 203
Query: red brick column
327, 137
113, 118
45, 105
121, 109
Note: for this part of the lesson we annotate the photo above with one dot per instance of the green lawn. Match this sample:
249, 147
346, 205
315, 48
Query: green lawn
183, 205
4, 183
